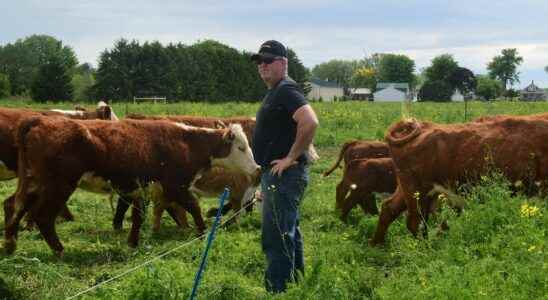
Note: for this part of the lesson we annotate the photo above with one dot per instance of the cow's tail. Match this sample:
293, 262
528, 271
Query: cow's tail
341, 154
402, 132
22, 131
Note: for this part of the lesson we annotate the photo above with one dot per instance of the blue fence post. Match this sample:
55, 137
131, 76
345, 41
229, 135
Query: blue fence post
210, 238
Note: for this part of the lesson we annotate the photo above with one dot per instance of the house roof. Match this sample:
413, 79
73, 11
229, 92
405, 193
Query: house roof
362, 91
325, 83
532, 88
396, 85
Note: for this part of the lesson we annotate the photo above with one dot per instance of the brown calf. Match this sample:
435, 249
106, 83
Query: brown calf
54, 153
359, 150
363, 177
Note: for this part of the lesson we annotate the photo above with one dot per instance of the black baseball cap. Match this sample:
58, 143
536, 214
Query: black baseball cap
270, 49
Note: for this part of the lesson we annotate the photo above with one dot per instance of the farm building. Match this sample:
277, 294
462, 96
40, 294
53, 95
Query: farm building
324, 90
391, 91
533, 93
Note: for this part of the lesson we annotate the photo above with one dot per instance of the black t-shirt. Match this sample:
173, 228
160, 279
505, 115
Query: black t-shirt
275, 130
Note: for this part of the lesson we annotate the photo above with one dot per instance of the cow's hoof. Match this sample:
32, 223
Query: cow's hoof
212, 212
132, 243
117, 226
9, 247
59, 254
375, 243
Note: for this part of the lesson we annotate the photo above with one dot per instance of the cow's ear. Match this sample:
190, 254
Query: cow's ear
228, 136
219, 124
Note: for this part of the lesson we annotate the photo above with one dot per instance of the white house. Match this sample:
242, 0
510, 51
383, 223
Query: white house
457, 96
391, 92
325, 90
533, 93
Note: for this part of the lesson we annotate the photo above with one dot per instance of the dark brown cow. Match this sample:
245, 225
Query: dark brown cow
54, 153
359, 150
426, 154
363, 177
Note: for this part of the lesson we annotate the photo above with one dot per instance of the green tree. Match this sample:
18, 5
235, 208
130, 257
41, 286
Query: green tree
464, 80
488, 88
546, 69
116, 75
396, 68
5, 89
83, 80
22, 59
504, 67
436, 90
340, 71
297, 71
365, 77
443, 66
53, 81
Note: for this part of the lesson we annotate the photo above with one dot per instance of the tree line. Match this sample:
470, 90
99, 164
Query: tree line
42, 67
436, 82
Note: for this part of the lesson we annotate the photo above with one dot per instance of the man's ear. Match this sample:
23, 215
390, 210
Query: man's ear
219, 124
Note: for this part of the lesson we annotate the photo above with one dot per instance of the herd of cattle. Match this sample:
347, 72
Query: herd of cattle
419, 159
176, 158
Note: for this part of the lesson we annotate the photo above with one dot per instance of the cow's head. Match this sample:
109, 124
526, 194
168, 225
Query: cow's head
104, 112
239, 158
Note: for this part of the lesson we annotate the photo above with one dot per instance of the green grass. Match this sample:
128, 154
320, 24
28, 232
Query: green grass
495, 249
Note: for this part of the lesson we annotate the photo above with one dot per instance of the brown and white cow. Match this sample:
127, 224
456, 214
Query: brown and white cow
9, 120
426, 154
362, 178
54, 153
212, 182
359, 149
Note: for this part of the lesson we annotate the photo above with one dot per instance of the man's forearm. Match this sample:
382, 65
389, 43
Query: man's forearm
303, 139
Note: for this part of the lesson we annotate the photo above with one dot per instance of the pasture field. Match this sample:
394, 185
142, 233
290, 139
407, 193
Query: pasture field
497, 248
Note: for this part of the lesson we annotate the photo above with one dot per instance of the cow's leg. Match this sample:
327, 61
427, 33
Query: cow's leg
178, 214
121, 208
174, 209
347, 204
190, 203
51, 201
66, 214
15, 207
136, 221
340, 194
159, 207
413, 218
9, 207
391, 208
368, 204
212, 212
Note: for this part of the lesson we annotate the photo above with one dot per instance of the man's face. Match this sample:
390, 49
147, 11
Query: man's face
271, 69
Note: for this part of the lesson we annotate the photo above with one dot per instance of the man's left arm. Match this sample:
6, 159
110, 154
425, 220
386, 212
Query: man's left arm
307, 122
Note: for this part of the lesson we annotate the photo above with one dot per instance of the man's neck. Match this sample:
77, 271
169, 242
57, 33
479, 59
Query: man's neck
273, 83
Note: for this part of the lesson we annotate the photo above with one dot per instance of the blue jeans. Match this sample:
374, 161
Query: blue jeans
281, 238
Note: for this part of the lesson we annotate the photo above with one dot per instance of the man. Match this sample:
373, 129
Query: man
285, 128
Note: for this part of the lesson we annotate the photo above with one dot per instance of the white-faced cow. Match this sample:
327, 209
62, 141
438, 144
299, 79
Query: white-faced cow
54, 153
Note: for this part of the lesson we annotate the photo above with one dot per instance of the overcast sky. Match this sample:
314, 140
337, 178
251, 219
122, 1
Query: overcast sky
473, 31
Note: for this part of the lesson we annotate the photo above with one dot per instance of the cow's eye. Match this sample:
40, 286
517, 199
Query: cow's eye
241, 148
